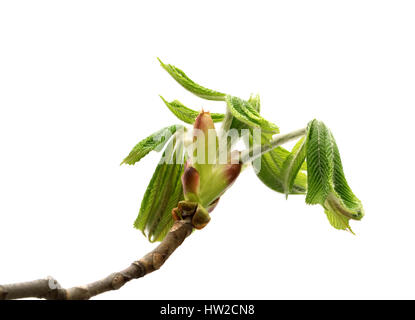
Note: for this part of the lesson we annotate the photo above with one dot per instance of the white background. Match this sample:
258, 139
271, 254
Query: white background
79, 85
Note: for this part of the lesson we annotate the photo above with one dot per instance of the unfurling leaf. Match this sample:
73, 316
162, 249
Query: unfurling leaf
327, 184
156, 141
272, 162
162, 195
245, 112
186, 114
192, 86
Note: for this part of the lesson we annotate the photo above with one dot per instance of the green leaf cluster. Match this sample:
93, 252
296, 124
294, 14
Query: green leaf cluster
313, 167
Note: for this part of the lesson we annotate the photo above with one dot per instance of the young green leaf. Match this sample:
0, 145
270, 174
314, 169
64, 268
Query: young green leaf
327, 184
319, 162
156, 141
292, 165
271, 173
190, 85
246, 113
186, 114
162, 195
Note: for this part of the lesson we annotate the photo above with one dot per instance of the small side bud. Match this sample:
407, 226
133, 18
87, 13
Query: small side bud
176, 214
204, 122
201, 217
191, 184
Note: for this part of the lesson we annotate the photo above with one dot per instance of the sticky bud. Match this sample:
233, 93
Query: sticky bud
187, 208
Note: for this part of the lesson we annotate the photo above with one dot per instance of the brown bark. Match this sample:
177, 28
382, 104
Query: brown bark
51, 290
